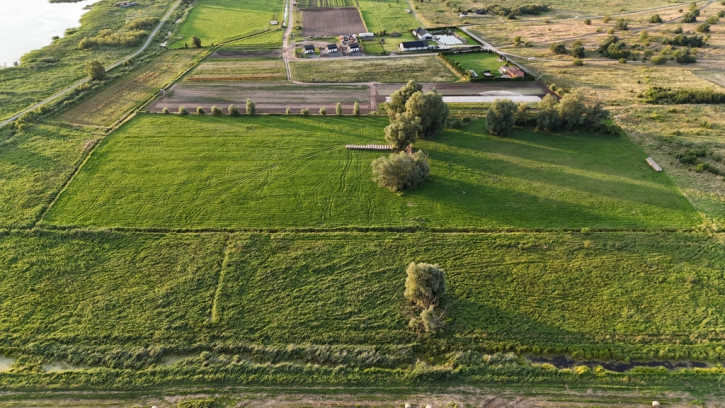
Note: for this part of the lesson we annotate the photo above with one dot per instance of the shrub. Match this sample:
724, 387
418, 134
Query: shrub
305, 112
165, 111
356, 109
659, 95
607, 19
251, 107
588, 21
183, 111
196, 41
690, 17
521, 116
424, 284
714, 19
500, 118
233, 110
577, 49
677, 30
622, 25
428, 322
216, 111
577, 62
703, 28
288, 111
401, 171
656, 19
323, 111
338, 109
659, 59
547, 118
200, 111
198, 403
685, 56
558, 48
95, 70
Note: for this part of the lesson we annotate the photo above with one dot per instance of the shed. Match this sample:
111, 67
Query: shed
309, 49
331, 48
273, 22
422, 34
413, 45
366, 35
354, 47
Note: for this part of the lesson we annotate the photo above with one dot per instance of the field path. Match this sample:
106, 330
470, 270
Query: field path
108, 68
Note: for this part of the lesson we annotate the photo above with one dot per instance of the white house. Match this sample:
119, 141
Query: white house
414, 45
422, 34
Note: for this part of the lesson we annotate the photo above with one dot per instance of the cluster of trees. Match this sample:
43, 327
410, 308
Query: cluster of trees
95, 70
425, 284
143, 22
576, 110
611, 47
660, 95
413, 115
512, 12
686, 40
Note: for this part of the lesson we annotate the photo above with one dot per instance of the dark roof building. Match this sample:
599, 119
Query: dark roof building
413, 45
331, 47
422, 34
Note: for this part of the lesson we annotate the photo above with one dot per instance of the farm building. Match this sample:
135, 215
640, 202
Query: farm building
354, 47
422, 34
511, 71
309, 49
366, 36
414, 45
331, 48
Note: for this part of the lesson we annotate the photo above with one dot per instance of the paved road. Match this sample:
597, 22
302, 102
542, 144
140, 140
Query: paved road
108, 68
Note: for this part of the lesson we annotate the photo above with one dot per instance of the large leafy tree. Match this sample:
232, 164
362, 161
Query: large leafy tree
431, 110
402, 131
500, 118
401, 96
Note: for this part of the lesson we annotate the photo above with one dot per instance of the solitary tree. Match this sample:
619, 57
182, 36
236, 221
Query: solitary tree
251, 108
356, 109
401, 171
400, 97
183, 111
402, 130
338, 109
500, 118
233, 110
323, 111
216, 111
196, 42
95, 70
424, 284
431, 110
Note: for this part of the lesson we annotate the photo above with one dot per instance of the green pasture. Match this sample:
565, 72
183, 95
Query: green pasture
214, 21
163, 171
387, 15
34, 164
596, 295
478, 62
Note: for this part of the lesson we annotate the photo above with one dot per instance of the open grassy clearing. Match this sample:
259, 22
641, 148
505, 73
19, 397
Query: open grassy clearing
246, 69
214, 21
269, 40
422, 69
387, 15
295, 172
34, 164
116, 100
480, 61
51, 69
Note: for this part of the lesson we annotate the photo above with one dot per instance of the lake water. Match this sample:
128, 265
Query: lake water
27, 25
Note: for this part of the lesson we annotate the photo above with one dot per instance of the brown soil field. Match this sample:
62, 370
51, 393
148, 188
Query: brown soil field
326, 22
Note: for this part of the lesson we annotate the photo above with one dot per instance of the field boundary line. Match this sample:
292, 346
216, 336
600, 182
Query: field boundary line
220, 281
363, 229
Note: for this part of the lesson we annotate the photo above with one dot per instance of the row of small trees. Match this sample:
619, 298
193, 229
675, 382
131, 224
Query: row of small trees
252, 110
576, 110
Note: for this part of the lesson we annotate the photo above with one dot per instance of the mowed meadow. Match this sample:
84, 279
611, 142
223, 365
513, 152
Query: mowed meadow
214, 21
202, 172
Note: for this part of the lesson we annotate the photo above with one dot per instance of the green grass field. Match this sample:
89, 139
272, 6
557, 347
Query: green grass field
387, 15
205, 172
422, 69
116, 100
214, 21
478, 62
597, 295
34, 164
